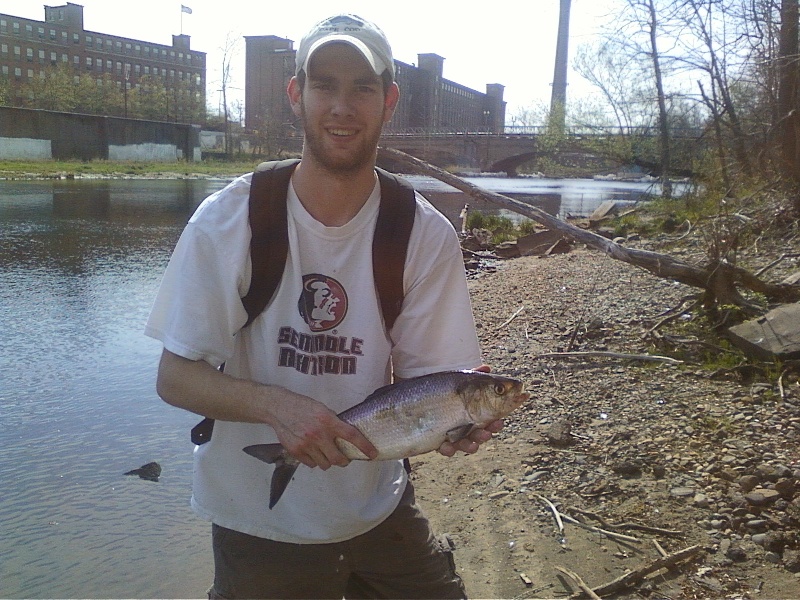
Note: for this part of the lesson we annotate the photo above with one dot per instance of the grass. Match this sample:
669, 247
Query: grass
52, 168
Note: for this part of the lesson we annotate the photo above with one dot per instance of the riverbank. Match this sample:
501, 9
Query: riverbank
663, 456
46, 169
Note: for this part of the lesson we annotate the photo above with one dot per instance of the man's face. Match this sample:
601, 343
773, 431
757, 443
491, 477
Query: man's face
343, 108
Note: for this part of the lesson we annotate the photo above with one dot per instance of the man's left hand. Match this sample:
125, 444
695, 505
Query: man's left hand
473, 441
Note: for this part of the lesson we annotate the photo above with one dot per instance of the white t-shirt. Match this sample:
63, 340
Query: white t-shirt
322, 335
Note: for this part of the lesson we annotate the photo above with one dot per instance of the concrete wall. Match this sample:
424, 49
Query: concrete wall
41, 134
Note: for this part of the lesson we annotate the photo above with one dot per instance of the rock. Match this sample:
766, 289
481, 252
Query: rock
627, 469
150, 471
748, 483
772, 336
786, 488
761, 497
791, 560
558, 434
681, 492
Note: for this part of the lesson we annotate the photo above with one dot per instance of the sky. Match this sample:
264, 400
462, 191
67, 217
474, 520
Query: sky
510, 42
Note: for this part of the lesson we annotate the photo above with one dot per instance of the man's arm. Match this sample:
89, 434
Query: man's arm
307, 429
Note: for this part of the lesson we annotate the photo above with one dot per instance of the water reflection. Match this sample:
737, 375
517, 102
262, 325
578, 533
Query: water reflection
80, 262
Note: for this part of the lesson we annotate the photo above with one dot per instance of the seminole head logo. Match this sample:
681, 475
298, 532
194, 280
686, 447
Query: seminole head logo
322, 303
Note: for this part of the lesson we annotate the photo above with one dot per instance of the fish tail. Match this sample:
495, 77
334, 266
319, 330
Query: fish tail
280, 479
285, 466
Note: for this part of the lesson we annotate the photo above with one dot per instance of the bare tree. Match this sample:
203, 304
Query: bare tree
789, 94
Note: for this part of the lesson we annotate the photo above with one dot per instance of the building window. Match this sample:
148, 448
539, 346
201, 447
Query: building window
41, 56
29, 30
64, 58
64, 37
146, 70
29, 54
53, 58
3, 26
89, 41
127, 48
53, 34
17, 54
76, 60
76, 39
40, 31
98, 43
109, 66
15, 28
5, 70
118, 46
88, 63
138, 49
4, 48
30, 73
17, 72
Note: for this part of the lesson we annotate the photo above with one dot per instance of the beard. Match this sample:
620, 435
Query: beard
339, 163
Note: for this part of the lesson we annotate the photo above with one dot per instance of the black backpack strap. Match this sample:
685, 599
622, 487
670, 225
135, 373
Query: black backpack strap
269, 229
390, 244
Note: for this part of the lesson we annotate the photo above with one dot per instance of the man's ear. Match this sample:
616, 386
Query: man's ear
390, 101
295, 94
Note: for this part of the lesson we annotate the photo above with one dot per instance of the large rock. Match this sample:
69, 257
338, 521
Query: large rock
775, 335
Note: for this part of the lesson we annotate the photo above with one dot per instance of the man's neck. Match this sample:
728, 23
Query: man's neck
332, 199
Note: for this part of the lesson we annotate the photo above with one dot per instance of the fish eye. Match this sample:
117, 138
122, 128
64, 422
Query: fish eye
499, 388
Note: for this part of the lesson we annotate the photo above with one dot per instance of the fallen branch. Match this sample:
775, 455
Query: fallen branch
556, 517
632, 577
718, 278
511, 318
637, 526
576, 579
604, 354
616, 536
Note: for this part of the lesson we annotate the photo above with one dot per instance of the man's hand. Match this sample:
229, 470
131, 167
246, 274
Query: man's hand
308, 429
473, 441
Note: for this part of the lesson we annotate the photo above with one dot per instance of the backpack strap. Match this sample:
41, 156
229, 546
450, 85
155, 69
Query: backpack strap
269, 233
390, 243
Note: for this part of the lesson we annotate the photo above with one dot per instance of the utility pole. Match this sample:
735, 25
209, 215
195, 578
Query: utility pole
558, 97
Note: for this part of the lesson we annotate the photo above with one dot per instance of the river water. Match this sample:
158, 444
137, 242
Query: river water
80, 262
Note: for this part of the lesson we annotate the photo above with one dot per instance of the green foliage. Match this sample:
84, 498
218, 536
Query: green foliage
503, 229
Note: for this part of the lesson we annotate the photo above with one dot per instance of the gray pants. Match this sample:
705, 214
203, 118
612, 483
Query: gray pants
400, 558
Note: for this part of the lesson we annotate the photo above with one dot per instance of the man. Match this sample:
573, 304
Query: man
351, 531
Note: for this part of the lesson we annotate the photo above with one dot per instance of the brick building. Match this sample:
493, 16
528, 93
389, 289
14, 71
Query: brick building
28, 47
427, 99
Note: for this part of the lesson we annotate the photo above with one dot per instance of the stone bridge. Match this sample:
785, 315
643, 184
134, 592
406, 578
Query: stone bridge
505, 152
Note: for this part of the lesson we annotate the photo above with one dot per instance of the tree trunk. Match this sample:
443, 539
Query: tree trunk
663, 122
789, 95
720, 279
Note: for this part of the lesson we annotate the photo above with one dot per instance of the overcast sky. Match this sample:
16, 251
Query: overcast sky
511, 42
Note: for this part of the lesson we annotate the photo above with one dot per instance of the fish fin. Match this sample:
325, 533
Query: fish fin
459, 433
280, 479
285, 466
269, 453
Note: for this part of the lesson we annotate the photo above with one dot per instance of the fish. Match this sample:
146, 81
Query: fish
411, 417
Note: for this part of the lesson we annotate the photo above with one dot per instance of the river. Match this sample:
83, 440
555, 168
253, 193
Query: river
80, 262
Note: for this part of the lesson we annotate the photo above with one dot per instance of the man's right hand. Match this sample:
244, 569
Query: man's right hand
308, 429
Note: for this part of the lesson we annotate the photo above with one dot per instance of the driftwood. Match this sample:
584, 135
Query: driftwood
576, 579
632, 577
605, 354
719, 278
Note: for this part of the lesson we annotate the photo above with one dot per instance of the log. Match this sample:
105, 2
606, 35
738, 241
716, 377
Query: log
719, 278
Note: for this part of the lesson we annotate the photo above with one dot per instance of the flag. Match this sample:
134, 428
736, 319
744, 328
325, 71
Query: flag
186, 9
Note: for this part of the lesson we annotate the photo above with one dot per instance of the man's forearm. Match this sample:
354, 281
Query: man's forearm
196, 386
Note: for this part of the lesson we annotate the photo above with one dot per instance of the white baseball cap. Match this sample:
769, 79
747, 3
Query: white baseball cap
364, 36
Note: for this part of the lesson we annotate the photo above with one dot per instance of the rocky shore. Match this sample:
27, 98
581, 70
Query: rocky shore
680, 456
